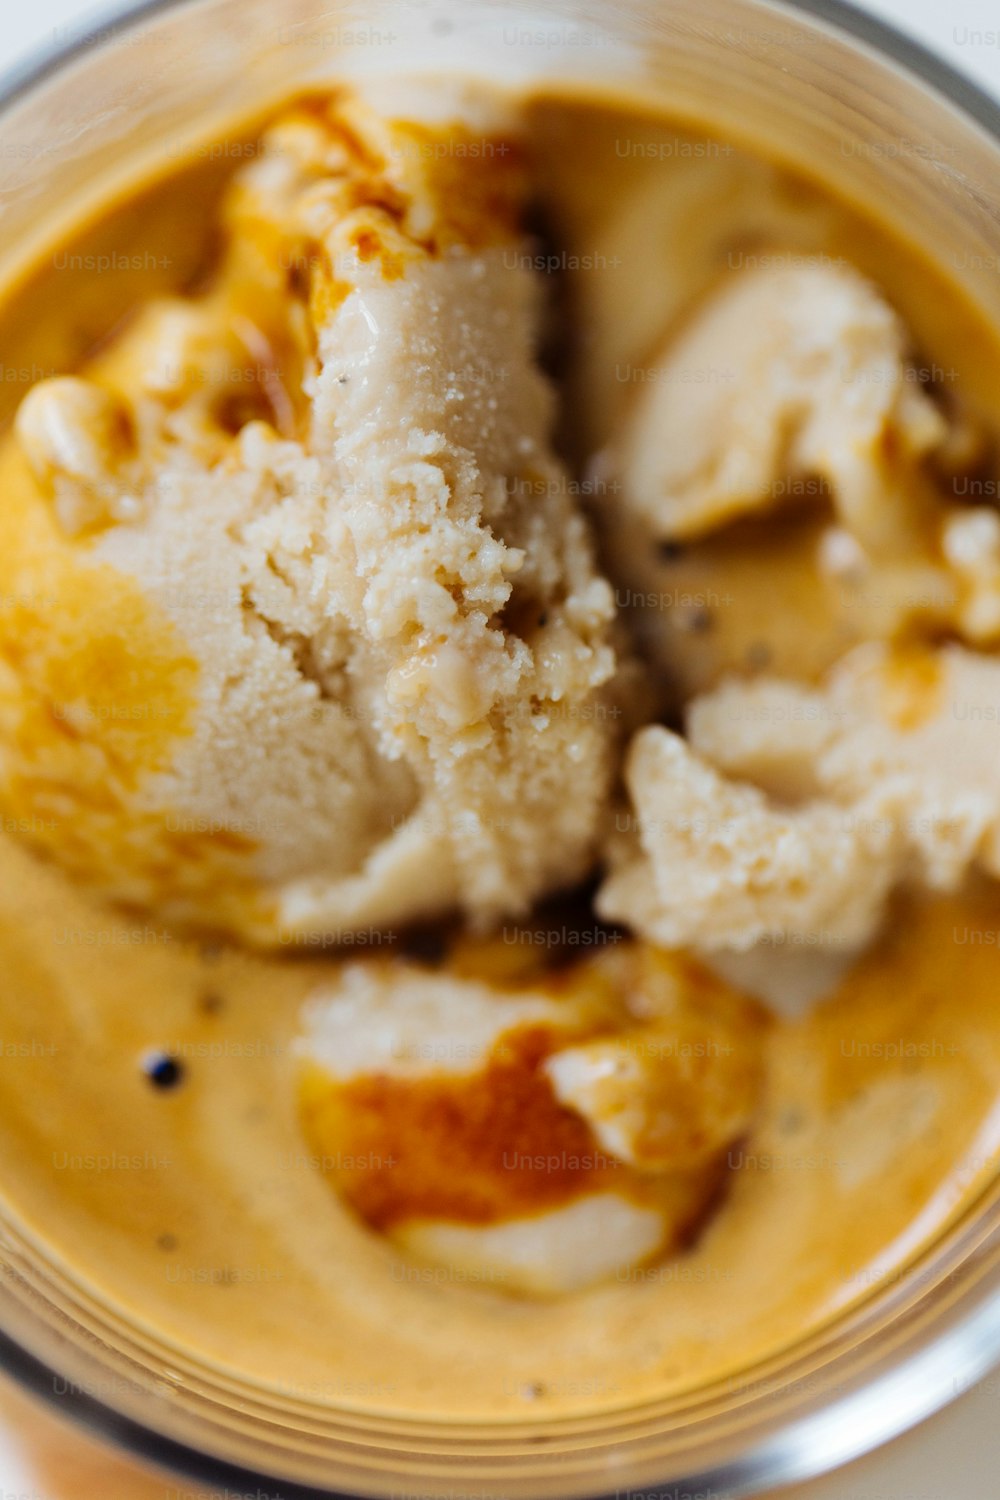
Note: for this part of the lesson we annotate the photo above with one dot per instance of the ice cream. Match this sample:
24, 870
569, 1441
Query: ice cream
796, 503
791, 457
809, 376
537, 1131
709, 863
328, 645
790, 813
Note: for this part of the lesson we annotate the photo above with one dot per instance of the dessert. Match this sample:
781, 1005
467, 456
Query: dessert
551, 1131
500, 819
796, 809
400, 648
813, 384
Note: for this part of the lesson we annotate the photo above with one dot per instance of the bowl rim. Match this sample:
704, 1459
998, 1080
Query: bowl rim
805, 1445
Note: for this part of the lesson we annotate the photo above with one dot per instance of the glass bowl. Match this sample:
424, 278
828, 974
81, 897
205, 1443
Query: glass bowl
816, 84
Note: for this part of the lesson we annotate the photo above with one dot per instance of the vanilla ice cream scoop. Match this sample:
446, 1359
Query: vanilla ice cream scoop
303, 631
786, 370
535, 1131
785, 458
790, 813
900, 740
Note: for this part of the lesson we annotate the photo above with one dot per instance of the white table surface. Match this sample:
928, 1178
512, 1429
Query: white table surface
954, 1456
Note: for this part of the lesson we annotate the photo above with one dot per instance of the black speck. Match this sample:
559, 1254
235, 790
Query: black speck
167, 1242
698, 622
162, 1070
210, 953
543, 620
426, 945
670, 551
759, 655
210, 1004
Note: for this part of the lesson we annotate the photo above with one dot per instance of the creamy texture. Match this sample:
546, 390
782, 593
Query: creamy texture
202, 1214
707, 862
326, 487
889, 775
544, 1128
795, 387
804, 375
792, 384
708, 216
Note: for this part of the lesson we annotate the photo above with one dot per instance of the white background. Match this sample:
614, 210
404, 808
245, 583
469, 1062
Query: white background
955, 1456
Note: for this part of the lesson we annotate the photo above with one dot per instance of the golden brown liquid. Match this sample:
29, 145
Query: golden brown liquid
198, 1213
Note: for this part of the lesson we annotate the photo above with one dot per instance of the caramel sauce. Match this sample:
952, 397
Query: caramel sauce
97, 687
510, 1147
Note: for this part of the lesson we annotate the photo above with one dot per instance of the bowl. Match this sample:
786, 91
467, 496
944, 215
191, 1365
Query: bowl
815, 84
